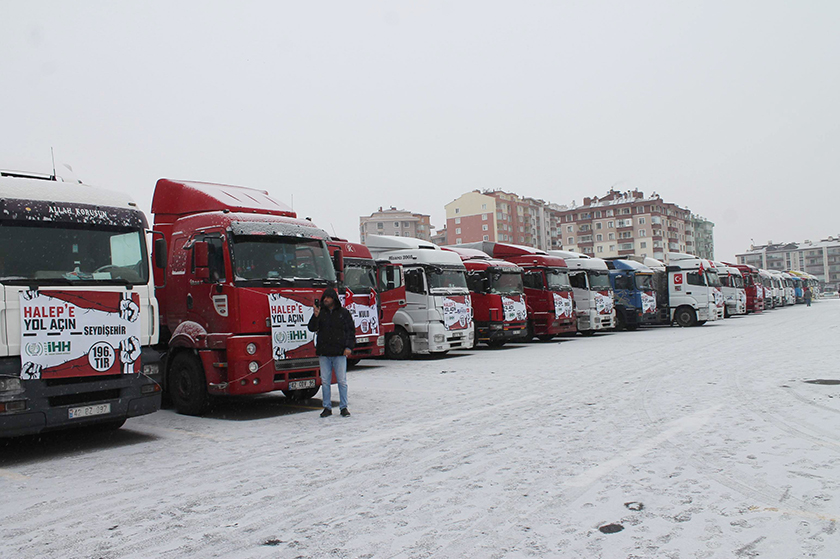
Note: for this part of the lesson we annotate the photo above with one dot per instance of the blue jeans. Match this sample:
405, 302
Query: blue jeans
328, 365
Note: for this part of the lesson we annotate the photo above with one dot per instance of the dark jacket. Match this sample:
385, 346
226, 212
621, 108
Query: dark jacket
336, 329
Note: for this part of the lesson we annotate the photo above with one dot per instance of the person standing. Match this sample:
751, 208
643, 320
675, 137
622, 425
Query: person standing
336, 339
807, 295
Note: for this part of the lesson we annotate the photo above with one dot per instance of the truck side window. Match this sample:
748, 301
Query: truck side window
623, 282
578, 279
390, 278
215, 260
414, 281
694, 278
534, 280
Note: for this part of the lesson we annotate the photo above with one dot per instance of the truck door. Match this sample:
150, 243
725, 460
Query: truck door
207, 299
391, 288
416, 296
580, 286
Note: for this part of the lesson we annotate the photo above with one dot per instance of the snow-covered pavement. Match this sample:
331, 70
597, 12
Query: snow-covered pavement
701, 442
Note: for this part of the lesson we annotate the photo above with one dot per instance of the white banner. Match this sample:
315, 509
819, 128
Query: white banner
364, 311
79, 333
563, 306
514, 308
289, 324
603, 302
457, 312
648, 302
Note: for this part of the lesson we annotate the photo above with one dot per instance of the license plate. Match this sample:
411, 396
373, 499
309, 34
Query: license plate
301, 384
88, 411
362, 340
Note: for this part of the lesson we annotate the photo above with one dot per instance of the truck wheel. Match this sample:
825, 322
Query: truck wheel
701, 322
686, 317
496, 344
187, 386
352, 363
619, 322
587, 333
398, 345
546, 337
301, 395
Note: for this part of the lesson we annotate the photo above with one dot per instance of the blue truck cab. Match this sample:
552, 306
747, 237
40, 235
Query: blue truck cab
635, 294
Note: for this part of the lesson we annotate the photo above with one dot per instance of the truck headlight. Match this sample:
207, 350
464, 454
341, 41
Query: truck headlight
440, 338
253, 366
151, 369
251, 348
472, 334
380, 341
10, 384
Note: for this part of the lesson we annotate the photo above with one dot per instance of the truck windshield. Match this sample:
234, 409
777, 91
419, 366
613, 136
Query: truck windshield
447, 278
644, 282
598, 280
712, 278
558, 280
53, 252
506, 283
737, 281
359, 276
263, 257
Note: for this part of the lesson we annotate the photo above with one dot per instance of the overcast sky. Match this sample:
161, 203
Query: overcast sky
729, 108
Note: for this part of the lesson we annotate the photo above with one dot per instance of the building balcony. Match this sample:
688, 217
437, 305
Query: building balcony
585, 243
656, 237
626, 252
625, 228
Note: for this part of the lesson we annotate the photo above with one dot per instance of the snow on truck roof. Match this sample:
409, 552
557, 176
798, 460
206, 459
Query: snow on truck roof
517, 254
627, 265
408, 250
177, 197
15, 188
479, 259
575, 262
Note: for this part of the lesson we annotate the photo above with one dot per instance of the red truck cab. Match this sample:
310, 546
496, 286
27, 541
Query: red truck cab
238, 292
549, 296
498, 297
752, 286
371, 291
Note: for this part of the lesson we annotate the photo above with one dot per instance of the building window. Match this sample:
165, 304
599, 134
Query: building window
643, 232
483, 206
486, 238
405, 224
599, 237
641, 221
457, 220
484, 228
483, 217
380, 225
611, 236
598, 214
610, 224
612, 248
642, 245
458, 231
457, 210
598, 225
570, 228
396, 224
457, 241
600, 248
571, 240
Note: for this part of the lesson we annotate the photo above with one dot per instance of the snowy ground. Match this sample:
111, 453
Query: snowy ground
703, 442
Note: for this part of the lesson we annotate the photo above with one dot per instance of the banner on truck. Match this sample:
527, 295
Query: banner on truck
79, 333
514, 308
364, 311
457, 312
563, 306
289, 325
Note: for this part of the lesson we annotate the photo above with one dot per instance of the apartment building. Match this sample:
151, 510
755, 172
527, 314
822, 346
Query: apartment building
820, 259
496, 215
629, 223
400, 223
704, 238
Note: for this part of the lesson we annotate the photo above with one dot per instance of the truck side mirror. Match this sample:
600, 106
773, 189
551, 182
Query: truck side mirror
338, 265
160, 253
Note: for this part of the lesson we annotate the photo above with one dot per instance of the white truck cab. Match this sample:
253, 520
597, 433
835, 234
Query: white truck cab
733, 288
691, 297
78, 314
594, 298
438, 315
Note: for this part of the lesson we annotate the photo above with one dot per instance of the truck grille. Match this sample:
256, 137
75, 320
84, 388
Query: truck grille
84, 397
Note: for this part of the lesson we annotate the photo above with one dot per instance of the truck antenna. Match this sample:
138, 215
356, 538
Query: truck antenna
333, 228
52, 154
293, 200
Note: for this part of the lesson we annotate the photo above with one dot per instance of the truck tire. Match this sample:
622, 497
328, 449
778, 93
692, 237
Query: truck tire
110, 425
301, 395
546, 337
587, 333
398, 344
352, 363
495, 344
685, 317
187, 386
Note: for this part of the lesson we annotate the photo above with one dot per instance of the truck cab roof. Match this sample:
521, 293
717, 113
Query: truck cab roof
475, 259
179, 198
518, 254
577, 263
628, 266
351, 250
43, 189
408, 251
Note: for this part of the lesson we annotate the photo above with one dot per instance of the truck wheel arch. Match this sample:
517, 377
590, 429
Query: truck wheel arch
188, 334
